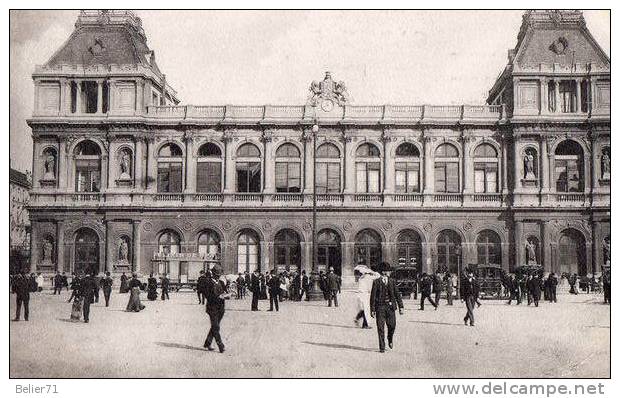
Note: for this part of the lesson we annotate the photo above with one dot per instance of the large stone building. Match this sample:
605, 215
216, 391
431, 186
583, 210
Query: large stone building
19, 228
126, 179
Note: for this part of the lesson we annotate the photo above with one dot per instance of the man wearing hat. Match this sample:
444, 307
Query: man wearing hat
384, 297
333, 287
469, 293
88, 287
215, 293
426, 284
255, 289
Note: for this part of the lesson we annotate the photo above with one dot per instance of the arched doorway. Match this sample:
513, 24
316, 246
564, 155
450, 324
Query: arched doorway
287, 250
449, 252
572, 253
368, 248
86, 251
489, 248
329, 250
409, 246
248, 251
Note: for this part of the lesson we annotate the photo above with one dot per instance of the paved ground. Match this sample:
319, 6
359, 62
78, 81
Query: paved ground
307, 339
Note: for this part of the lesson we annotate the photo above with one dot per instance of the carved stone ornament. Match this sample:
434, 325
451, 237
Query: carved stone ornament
347, 226
147, 226
559, 46
267, 226
227, 225
387, 226
428, 227
327, 92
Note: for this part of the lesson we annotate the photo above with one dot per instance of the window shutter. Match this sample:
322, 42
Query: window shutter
176, 177
163, 178
440, 177
452, 177
281, 177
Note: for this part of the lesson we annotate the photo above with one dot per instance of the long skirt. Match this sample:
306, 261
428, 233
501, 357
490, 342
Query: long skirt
152, 294
76, 309
124, 287
134, 304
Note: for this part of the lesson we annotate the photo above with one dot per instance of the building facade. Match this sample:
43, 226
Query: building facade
19, 233
126, 179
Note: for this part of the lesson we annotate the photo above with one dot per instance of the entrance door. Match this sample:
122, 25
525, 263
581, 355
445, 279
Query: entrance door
329, 251
571, 250
86, 251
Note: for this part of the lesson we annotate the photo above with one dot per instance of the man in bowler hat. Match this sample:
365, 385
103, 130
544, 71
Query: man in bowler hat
215, 294
384, 298
469, 292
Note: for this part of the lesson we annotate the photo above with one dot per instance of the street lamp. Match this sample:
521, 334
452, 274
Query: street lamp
458, 250
315, 290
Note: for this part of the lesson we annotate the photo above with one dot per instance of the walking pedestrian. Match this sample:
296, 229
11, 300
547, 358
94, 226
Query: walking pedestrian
437, 287
21, 287
469, 293
274, 291
106, 285
426, 284
534, 287
365, 277
65, 282
255, 288
165, 287
57, 282
40, 281
384, 298
151, 288
134, 304
447, 280
553, 288
215, 293
333, 287
124, 286
75, 286
240, 286
88, 286
513, 285
200, 287
305, 285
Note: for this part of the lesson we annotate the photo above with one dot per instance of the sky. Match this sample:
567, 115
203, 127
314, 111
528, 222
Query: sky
270, 57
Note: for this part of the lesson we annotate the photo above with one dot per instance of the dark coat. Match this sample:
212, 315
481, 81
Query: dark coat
213, 290
21, 287
470, 288
58, 281
437, 284
426, 284
274, 283
381, 290
135, 282
255, 284
88, 287
165, 283
305, 282
201, 284
534, 286
333, 282
106, 283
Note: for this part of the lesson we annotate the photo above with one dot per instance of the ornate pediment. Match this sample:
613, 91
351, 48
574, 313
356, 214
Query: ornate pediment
327, 92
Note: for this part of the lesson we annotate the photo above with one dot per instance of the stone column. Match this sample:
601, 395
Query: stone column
229, 163
135, 266
545, 246
544, 96
519, 243
468, 165
504, 143
138, 177
595, 165
105, 172
151, 165
578, 91
34, 247
265, 248
516, 163
596, 242
60, 245
99, 96
61, 164
551, 166
544, 165
78, 97
109, 244
592, 90
268, 163
388, 164
37, 93
347, 253
306, 262
429, 175
587, 175
190, 164
349, 167
140, 96
62, 103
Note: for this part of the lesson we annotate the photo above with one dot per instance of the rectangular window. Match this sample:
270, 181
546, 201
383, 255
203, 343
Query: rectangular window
485, 177
328, 177
170, 177
288, 177
209, 177
88, 177
248, 177
407, 177
368, 177
568, 97
568, 175
447, 177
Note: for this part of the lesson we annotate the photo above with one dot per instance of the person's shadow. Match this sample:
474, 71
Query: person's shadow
340, 346
183, 346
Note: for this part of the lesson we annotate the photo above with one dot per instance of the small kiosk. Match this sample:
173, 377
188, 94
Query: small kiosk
183, 269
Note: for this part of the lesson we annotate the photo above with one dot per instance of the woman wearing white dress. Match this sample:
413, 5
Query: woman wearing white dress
364, 276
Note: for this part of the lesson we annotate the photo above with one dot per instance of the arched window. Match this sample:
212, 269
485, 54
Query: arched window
170, 169
569, 167
209, 169
449, 251
409, 249
169, 242
485, 169
489, 247
572, 253
368, 168
287, 250
209, 243
329, 250
248, 168
327, 169
368, 248
248, 251
447, 169
288, 169
86, 251
87, 167
407, 168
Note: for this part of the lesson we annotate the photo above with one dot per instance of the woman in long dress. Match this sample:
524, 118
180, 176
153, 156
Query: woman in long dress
124, 287
152, 288
365, 276
134, 304
76, 307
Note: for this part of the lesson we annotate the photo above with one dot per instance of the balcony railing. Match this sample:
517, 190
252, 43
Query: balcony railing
287, 197
168, 197
87, 197
488, 197
571, 197
208, 197
248, 197
448, 197
408, 197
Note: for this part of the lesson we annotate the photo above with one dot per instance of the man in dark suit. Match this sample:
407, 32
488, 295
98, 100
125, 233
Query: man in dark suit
469, 293
274, 291
215, 294
305, 285
384, 298
333, 287
75, 286
553, 288
165, 287
255, 289
240, 286
534, 287
437, 287
200, 287
21, 287
88, 285
65, 282
426, 284
106, 286
57, 282
296, 286
97, 279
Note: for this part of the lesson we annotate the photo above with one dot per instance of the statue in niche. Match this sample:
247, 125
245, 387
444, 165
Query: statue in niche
607, 250
529, 166
530, 251
50, 167
123, 251
606, 166
125, 165
47, 251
